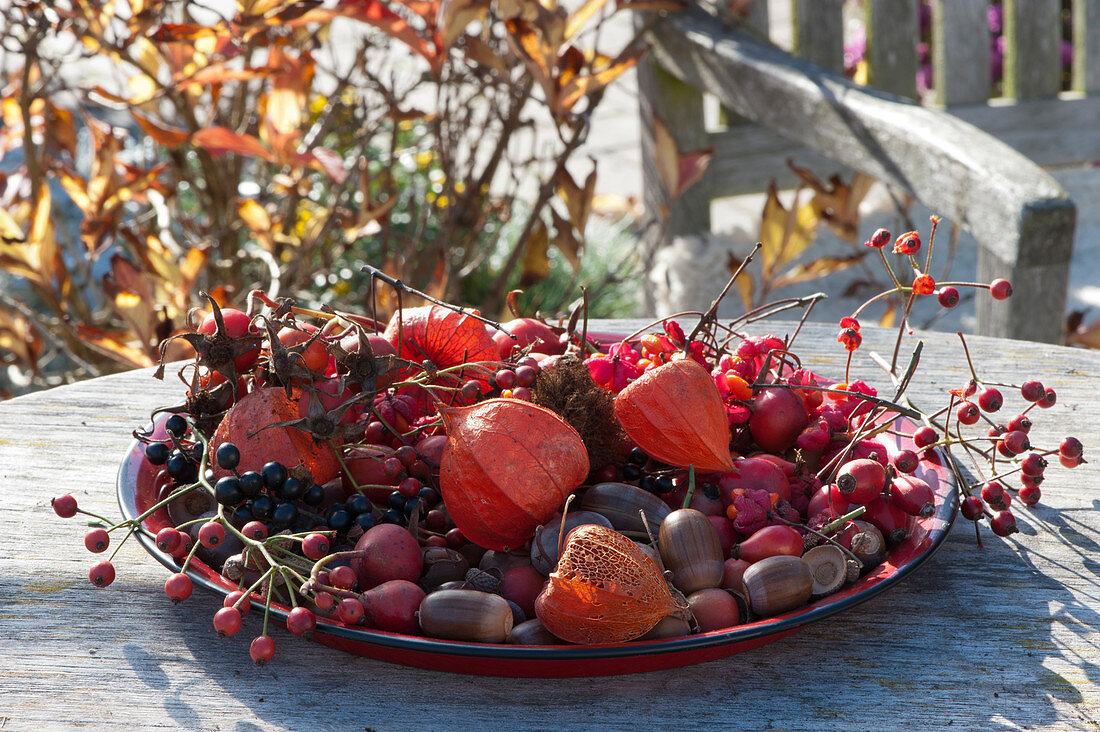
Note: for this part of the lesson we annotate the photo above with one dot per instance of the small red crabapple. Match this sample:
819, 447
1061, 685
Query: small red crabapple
967, 413
231, 600
211, 534
300, 621
1071, 447
168, 539
925, 436
879, 239
1030, 495
1048, 400
990, 400
948, 297
971, 508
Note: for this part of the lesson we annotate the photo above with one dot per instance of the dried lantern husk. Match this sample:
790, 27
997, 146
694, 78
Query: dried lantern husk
604, 590
507, 468
675, 414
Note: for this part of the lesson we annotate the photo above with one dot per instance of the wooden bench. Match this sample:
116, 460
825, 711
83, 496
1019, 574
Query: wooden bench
1019, 215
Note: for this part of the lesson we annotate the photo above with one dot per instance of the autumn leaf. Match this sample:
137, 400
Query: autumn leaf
580, 86
677, 171
536, 262
115, 345
258, 222
456, 15
578, 201
784, 234
837, 203
538, 55
743, 282
163, 135
816, 269
219, 140
566, 241
581, 16
482, 54
20, 338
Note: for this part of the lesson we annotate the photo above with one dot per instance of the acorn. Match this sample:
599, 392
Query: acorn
691, 550
778, 584
442, 565
544, 547
621, 503
466, 615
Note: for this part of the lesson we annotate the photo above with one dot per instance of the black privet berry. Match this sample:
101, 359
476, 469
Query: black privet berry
394, 516
365, 521
291, 490
711, 491
176, 426
251, 483
637, 456
662, 484
339, 520
358, 504
157, 453
631, 472
227, 491
284, 515
228, 456
314, 495
396, 501
263, 507
274, 475
179, 466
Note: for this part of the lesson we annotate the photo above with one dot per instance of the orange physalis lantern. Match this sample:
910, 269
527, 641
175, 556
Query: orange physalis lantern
507, 469
675, 414
604, 590
444, 337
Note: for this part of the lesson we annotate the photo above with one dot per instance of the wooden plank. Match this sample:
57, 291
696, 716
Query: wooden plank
893, 30
1007, 202
818, 27
1086, 46
1049, 132
960, 51
1033, 48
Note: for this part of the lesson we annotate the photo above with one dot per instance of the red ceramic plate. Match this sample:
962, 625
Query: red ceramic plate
138, 487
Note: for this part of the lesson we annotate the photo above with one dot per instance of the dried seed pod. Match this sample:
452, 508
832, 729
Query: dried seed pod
604, 590
466, 615
483, 580
675, 413
829, 566
691, 550
620, 504
778, 584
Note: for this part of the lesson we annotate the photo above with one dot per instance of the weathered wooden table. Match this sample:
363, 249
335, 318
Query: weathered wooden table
1007, 636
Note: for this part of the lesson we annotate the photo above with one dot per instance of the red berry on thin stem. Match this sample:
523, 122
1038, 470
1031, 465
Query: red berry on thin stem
255, 530
324, 600
1030, 495
925, 436
1020, 423
1003, 523
227, 621
350, 611
342, 577
211, 534
262, 649
905, 461
1016, 442
1071, 447
300, 621
97, 540
178, 587
994, 494
1048, 400
971, 508
948, 297
1033, 464
102, 573
1000, 289
168, 539
64, 506
990, 400
967, 413
231, 600
1032, 390
315, 546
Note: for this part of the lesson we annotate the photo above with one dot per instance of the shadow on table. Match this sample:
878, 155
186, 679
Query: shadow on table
965, 656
